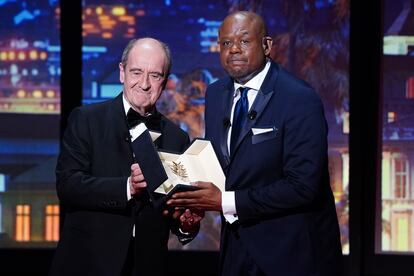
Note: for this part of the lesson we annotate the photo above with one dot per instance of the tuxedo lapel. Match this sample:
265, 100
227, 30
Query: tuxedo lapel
119, 126
226, 110
262, 99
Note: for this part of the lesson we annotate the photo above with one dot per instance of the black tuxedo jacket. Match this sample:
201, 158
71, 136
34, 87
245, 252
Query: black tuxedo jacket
92, 171
279, 172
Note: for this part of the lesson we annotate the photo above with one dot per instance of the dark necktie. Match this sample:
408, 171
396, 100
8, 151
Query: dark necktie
239, 117
152, 121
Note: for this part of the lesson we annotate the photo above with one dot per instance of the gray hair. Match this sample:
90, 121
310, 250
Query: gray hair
164, 46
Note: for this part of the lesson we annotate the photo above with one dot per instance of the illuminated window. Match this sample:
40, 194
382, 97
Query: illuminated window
391, 117
2, 190
409, 93
22, 223
52, 222
345, 123
1, 218
400, 177
401, 239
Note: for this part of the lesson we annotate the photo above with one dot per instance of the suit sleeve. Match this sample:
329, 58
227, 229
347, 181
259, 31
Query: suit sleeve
304, 165
76, 186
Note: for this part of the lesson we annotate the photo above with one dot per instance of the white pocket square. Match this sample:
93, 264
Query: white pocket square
257, 131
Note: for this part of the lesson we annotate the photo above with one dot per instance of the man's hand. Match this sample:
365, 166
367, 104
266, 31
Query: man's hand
207, 198
137, 182
189, 219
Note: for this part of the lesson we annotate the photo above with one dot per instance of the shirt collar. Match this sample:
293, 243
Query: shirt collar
256, 82
127, 106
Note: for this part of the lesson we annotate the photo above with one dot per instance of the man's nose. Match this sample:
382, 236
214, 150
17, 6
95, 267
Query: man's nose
144, 82
235, 48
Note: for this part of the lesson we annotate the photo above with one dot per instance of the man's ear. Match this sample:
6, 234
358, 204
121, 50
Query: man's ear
267, 43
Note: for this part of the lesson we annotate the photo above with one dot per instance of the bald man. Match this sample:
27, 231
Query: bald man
110, 227
270, 134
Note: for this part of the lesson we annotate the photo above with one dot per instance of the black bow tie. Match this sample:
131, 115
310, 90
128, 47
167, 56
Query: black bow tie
152, 121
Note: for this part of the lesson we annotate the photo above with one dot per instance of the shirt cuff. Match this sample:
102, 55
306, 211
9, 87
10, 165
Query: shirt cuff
228, 204
128, 191
182, 232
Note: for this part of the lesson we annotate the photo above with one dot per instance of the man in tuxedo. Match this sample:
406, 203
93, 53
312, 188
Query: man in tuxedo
111, 227
270, 134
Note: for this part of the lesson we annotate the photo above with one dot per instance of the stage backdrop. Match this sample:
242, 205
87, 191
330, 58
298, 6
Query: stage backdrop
395, 219
311, 39
29, 122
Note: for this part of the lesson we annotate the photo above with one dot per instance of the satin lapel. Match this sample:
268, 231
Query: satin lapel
261, 101
226, 111
121, 132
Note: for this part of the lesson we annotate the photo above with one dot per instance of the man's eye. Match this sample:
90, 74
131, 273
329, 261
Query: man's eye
244, 42
156, 76
226, 43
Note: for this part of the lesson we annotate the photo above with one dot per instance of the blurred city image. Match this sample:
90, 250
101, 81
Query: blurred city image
311, 39
395, 220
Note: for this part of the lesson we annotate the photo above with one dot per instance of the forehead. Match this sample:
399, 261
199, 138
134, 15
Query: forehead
149, 56
239, 25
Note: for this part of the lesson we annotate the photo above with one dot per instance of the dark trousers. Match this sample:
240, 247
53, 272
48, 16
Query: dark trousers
129, 266
237, 261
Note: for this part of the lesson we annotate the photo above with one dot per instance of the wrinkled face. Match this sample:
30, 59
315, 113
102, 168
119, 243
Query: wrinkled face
243, 47
144, 75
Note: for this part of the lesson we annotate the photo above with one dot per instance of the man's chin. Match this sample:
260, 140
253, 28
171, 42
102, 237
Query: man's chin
239, 76
236, 74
